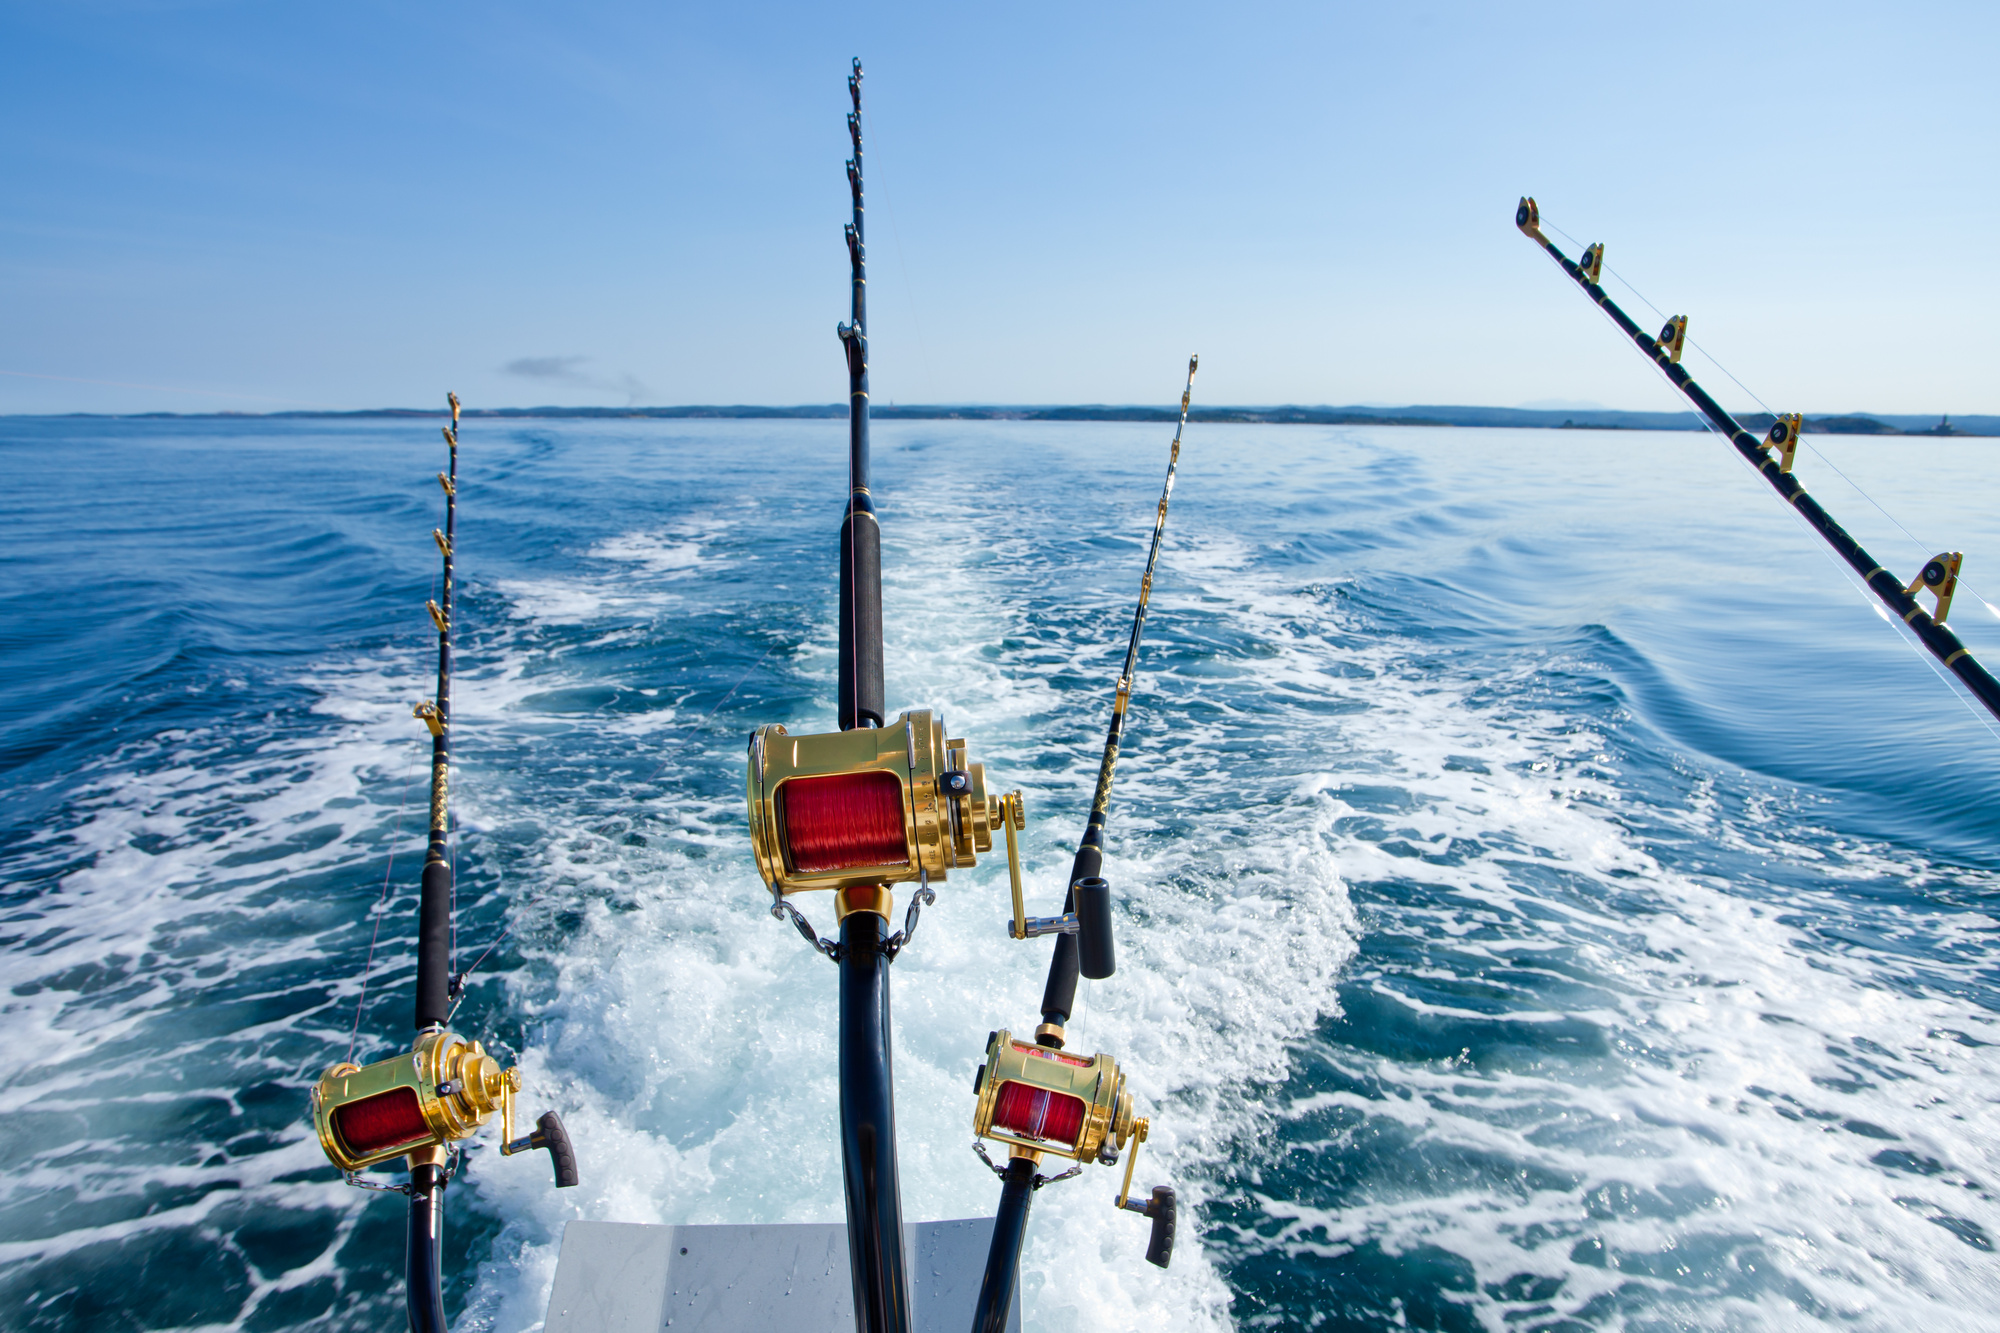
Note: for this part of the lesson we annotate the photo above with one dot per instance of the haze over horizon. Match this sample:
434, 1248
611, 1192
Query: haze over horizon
219, 206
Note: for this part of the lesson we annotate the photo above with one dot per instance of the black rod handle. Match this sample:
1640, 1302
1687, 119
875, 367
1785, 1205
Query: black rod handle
1003, 1257
1059, 995
434, 941
423, 1255
868, 1131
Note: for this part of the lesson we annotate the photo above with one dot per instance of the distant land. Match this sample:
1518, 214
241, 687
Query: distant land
1849, 423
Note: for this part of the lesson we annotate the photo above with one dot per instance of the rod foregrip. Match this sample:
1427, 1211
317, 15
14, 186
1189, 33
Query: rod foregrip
861, 690
434, 945
1059, 995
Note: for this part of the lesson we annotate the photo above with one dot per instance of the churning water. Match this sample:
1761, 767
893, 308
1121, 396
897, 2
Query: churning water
1550, 897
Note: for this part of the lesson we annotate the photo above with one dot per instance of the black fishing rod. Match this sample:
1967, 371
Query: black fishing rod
1020, 1105
874, 1185
861, 689
1772, 457
420, 1108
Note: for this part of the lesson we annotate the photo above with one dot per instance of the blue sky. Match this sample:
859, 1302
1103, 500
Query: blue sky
246, 206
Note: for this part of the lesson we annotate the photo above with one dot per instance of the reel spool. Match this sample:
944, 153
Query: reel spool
1040, 1100
872, 806
424, 1101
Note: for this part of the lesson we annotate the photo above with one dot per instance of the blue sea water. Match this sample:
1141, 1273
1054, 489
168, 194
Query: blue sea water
1550, 897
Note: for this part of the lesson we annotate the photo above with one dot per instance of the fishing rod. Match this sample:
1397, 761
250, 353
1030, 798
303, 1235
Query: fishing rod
421, 1104
1772, 457
857, 811
1035, 1098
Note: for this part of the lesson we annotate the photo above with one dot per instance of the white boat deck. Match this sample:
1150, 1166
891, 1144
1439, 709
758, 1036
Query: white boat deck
623, 1277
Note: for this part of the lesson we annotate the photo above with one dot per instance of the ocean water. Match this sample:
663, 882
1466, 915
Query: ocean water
1550, 897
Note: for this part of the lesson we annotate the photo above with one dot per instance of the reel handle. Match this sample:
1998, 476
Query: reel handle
550, 1134
1164, 1209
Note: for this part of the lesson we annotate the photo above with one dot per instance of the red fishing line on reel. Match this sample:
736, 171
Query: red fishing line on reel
1038, 1113
844, 820
393, 1119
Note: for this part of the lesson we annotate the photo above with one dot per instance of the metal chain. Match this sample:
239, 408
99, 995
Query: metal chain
781, 908
1040, 1181
922, 898
980, 1148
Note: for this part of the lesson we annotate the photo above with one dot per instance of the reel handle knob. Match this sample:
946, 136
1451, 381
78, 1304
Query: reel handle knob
550, 1134
1164, 1210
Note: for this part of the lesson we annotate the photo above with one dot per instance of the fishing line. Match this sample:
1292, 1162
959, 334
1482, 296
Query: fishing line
909, 288
1662, 314
380, 901
1923, 548
711, 713
1958, 691
1664, 354
458, 980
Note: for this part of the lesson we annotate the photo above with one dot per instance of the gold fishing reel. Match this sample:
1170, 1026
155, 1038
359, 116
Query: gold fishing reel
871, 807
419, 1103
1041, 1100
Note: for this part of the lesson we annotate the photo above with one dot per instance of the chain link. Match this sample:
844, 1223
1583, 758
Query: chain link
781, 908
922, 898
925, 895
1040, 1181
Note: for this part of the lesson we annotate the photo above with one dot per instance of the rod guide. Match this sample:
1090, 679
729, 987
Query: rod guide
1939, 577
1784, 438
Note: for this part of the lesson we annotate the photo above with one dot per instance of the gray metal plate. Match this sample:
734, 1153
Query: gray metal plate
620, 1277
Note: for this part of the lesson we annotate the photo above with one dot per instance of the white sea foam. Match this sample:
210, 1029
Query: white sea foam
1814, 1111
692, 1036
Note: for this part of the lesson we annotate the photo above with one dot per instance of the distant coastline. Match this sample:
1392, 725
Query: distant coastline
1848, 423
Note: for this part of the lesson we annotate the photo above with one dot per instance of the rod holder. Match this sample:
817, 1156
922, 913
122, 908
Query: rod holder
1034, 927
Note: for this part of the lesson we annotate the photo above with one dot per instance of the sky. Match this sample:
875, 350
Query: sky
223, 206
